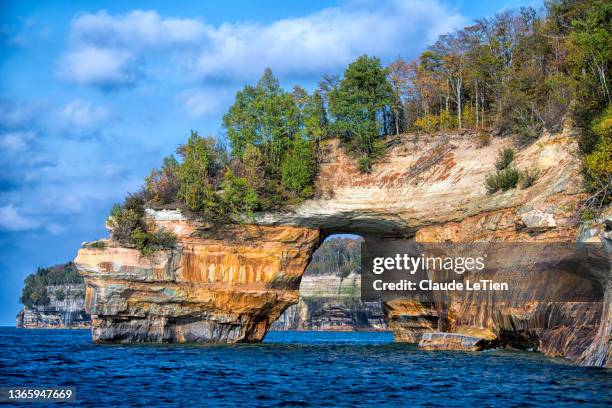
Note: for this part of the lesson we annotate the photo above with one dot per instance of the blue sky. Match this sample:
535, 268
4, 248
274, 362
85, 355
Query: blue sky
94, 94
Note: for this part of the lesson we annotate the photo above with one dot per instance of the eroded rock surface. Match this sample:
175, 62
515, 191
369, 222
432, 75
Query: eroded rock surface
226, 285
64, 311
230, 284
332, 302
455, 341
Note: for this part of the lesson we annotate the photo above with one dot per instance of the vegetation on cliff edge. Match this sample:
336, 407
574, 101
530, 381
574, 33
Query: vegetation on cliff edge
34, 292
516, 73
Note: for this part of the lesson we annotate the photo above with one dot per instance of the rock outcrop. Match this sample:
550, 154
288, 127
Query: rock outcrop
65, 311
332, 302
221, 285
230, 284
455, 341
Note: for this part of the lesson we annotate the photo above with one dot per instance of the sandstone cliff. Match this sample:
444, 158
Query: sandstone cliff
53, 298
68, 313
332, 302
230, 284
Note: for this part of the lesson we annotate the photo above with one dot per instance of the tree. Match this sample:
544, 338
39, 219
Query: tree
239, 199
314, 117
298, 169
199, 175
269, 131
399, 76
161, 186
360, 106
448, 57
265, 116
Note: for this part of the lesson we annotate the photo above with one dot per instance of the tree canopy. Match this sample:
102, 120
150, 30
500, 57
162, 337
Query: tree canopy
361, 107
516, 73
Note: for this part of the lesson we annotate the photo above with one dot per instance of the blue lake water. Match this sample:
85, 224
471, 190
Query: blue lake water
292, 369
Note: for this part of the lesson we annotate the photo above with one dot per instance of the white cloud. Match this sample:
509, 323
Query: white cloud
16, 141
104, 48
205, 101
135, 29
104, 67
11, 220
324, 41
81, 114
108, 50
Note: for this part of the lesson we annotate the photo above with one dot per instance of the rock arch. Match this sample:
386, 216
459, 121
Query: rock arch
228, 284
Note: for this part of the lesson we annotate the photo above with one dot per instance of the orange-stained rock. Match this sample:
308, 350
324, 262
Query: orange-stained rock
229, 284
223, 286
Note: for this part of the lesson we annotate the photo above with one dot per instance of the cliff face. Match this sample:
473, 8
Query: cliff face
65, 309
230, 284
226, 285
332, 302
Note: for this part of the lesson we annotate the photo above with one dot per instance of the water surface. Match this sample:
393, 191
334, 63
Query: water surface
293, 369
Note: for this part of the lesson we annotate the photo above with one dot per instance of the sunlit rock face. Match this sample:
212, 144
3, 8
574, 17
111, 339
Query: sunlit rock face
230, 284
332, 302
226, 285
66, 311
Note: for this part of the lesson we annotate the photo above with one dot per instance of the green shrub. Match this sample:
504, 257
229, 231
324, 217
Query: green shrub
147, 242
599, 161
529, 177
364, 164
97, 245
504, 159
588, 215
238, 197
504, 180
129, 227
126, 218
298, 168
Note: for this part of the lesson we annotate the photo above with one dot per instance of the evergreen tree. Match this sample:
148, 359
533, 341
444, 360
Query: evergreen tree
361, 107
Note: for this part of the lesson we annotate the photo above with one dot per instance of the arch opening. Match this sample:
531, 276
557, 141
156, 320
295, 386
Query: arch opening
330, 291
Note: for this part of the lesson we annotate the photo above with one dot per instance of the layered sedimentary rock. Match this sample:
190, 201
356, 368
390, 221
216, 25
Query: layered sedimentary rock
231, 284
332, 302
222, 285
64, 310
455, 341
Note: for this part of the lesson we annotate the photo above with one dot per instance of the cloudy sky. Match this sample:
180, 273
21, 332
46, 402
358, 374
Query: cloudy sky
93, 94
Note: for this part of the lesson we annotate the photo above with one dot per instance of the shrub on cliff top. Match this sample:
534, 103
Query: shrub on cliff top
504, 180
130, 227
148, 242
124, 219
504, 159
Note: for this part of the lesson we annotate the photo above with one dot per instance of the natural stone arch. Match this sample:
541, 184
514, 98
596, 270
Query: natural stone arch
229, 283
